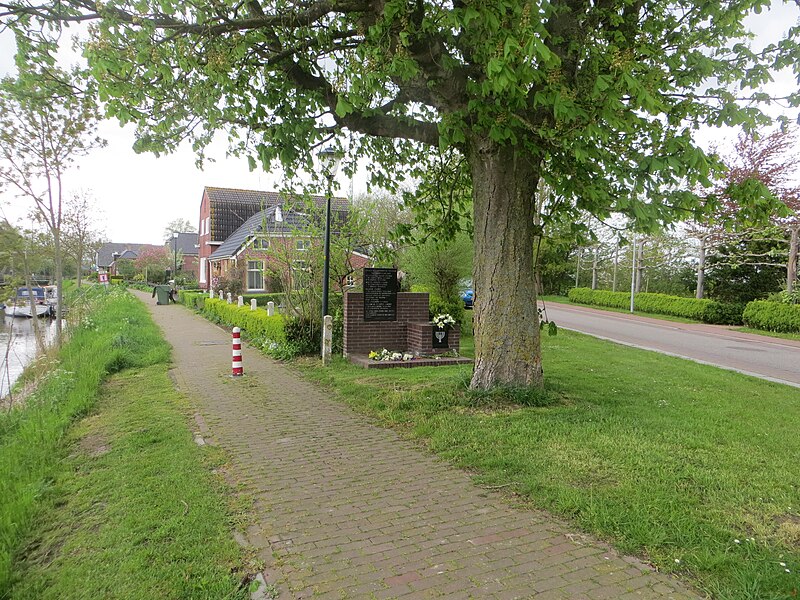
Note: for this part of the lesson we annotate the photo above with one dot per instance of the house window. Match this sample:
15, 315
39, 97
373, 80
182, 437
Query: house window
255, 274
350, 281
261, 244
303, 245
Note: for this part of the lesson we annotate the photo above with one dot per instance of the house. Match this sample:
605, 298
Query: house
242, 231
110, 252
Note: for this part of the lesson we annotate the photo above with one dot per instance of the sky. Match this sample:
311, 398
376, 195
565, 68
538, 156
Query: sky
138, 194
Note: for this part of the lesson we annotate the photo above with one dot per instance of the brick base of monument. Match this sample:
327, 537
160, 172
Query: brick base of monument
411, 332
428, 361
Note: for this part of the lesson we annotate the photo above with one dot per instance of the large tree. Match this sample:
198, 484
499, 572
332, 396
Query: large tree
597, 98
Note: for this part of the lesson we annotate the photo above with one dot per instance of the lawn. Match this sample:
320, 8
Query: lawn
694, 468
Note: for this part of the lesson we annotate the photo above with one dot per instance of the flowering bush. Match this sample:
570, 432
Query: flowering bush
443, 320
384, 354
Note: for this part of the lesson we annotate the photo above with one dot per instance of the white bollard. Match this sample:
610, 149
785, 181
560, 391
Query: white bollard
270, 309
236, 364
230, 298
221, 297
210, 292
327, 339
253, 304
240, 301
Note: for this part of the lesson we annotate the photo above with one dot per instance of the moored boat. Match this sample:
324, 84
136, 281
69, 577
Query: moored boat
22, 304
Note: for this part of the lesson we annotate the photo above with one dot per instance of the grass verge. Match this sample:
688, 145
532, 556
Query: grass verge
691, 467
135, 511
36, 485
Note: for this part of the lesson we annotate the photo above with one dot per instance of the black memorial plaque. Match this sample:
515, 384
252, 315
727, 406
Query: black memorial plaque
440, 338
380, 294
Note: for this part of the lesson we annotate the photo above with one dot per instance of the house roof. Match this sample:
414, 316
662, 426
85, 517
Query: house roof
187, 244
105, 254
292, 220
230, 208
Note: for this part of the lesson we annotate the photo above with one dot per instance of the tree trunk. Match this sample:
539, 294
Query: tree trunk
791, 266
594, 268
59, 268
578, 266
79, 256
640, 266
701, 270
507, 342
616, 267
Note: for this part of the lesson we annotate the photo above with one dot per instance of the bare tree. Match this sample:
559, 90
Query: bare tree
80, 237
45, 124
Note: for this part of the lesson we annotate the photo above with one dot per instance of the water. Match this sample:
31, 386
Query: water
21, 349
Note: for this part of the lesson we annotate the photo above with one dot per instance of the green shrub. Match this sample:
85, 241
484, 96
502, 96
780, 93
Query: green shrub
454, 308
707, 311
772, 316
255, 323
304, 334
263, 299
192, 298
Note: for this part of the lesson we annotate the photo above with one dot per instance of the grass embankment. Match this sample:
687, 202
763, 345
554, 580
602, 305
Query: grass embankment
692, 467
122, 503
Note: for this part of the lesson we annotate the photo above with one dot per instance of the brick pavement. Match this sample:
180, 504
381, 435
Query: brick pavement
346, 509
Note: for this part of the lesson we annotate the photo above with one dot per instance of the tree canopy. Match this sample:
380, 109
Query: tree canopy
600, 99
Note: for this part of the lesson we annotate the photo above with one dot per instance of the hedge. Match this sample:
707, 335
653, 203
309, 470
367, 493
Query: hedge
707, 311
192, 298
255, 323
196, 299
772, 316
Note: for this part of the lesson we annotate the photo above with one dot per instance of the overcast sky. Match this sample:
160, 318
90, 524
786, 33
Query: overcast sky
138, 194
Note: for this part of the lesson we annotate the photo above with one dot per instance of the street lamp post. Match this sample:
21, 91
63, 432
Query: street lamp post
330, 160
175, 255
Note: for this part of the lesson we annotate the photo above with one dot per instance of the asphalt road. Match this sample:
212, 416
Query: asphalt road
769, 358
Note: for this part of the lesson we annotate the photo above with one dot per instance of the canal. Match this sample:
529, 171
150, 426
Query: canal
18, 347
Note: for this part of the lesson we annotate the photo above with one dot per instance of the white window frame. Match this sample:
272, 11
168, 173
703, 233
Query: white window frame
256, 271
258, 243
302, 245
203, 269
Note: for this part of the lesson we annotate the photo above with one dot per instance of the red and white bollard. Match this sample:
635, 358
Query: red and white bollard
238, 371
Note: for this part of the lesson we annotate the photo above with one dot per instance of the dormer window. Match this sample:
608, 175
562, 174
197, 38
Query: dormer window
261, 243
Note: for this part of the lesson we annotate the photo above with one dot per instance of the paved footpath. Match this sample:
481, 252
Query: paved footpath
347, 509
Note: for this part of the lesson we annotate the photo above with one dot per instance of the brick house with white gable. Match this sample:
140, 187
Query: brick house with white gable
238, 228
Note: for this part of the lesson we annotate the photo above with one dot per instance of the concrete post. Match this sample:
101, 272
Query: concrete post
270, 309
327, 339
253, 304
221, 297
240, 301
210, 292
230, 298
236, 365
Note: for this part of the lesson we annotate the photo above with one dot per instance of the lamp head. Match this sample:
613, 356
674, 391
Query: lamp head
330, 160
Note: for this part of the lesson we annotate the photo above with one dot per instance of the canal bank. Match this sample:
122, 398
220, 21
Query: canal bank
104, 492
18, 347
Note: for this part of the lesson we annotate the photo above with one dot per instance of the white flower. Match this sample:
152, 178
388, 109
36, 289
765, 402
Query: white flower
737, 542
677, 561
782, 564
442, 320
